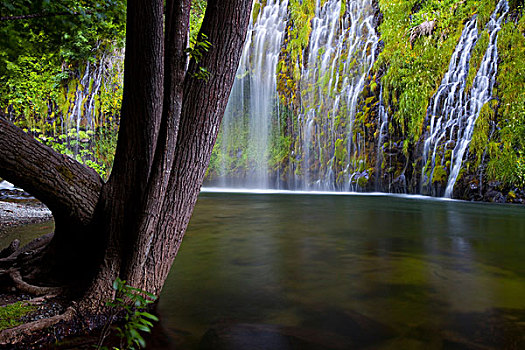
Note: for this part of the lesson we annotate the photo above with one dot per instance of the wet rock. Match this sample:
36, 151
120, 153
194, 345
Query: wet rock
450, 144
494, 197
272, 337
399, 184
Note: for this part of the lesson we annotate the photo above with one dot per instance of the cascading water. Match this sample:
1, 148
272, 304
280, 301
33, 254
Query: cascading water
453, 112
382, 123
253, 99
323, 44
341, 53
305, 112
480, 94
442, 110
84, 97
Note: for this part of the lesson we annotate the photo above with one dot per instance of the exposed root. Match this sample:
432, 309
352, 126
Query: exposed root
25, 287
13, 247
15, 335
39, 300
14, 253
9, 259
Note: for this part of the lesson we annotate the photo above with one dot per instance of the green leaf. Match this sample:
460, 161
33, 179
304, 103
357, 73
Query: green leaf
150, 316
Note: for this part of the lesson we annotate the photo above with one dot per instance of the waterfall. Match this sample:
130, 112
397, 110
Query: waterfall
452, 112
107, 69
443, 110
83, 96
324, 42
341, 53
480, 94
252, 101
382, 125
305, 122
335, 66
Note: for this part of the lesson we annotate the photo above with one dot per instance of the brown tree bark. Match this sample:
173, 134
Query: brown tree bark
67, 187
169, 123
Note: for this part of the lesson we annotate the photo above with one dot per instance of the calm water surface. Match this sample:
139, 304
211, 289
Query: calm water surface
439, 274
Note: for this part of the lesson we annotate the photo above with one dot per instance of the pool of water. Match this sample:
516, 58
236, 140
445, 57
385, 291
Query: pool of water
407, 273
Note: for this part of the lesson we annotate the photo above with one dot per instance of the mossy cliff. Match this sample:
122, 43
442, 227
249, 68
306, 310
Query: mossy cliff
388, 55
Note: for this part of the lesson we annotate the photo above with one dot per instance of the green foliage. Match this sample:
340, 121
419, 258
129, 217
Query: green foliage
70, 30
198, 8
279, 150
298, 30
507, 166
197, 49
132, 302
11, 315
44, 64
481, 134
414, 73
507, 156
94, 149
340, 150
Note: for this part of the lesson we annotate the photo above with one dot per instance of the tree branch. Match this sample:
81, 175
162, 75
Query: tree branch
67, 187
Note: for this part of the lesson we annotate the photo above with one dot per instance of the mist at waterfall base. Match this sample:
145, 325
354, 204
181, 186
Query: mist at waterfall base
403, 273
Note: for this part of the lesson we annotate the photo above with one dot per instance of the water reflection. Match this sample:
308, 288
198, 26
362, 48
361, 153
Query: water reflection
414, 271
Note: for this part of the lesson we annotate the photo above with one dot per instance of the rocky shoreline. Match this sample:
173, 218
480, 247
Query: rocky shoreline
16, 214
20, 208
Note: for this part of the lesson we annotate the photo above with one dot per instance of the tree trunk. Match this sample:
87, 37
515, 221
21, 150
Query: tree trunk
134, 223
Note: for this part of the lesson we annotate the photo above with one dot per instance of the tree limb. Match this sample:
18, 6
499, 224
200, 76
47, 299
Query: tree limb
67, 187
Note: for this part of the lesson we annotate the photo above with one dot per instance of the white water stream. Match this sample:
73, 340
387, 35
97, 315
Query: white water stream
452, 110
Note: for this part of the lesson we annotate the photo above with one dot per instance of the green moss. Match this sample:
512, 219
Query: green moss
481, 134
439, 175
484, 10
507, 154
362, 181
255, 11
340, 150
10, 315
477, 57
414, 73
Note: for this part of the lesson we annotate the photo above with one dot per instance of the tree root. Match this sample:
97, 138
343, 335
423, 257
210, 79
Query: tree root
25, 287
13, 253
15, 335
13, 247
39, 300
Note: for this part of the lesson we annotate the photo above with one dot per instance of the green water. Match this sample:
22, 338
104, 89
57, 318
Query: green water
25, 233
441, 274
